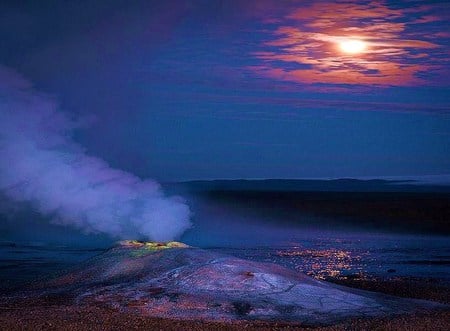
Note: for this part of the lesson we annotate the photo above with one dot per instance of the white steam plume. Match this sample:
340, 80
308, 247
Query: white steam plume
39, 163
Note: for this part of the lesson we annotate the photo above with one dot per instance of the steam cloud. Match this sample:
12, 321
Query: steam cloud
39, 163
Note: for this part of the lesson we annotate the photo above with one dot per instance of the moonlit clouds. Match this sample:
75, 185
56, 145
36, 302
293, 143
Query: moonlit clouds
397, 52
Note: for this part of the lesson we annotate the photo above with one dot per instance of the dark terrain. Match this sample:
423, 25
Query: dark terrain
372, 205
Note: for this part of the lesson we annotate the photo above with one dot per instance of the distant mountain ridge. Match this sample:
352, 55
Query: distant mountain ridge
320, 185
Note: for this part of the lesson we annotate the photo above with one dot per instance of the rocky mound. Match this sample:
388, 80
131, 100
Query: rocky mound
177, 281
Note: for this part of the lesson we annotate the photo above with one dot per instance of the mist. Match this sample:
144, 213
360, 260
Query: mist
43, 166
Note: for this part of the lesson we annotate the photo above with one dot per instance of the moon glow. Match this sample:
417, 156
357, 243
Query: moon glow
352, 46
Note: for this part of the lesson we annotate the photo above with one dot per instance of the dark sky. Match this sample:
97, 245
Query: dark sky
179, 90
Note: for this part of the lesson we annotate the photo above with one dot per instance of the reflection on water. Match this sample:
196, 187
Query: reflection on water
377, 256
322, 264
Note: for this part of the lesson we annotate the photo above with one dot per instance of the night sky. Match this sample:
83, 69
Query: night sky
178, 90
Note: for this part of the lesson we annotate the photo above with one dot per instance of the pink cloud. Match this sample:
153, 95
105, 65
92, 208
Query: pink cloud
395, 53
427, 19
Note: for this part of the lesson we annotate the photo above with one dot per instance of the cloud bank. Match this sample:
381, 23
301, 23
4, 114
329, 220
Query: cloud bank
42, 165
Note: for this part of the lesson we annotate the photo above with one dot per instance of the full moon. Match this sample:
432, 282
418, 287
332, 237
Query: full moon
352, 46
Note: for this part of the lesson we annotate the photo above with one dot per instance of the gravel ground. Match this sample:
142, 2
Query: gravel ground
57, 313
95, 318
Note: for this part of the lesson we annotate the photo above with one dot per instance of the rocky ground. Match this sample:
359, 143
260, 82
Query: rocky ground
70, 317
